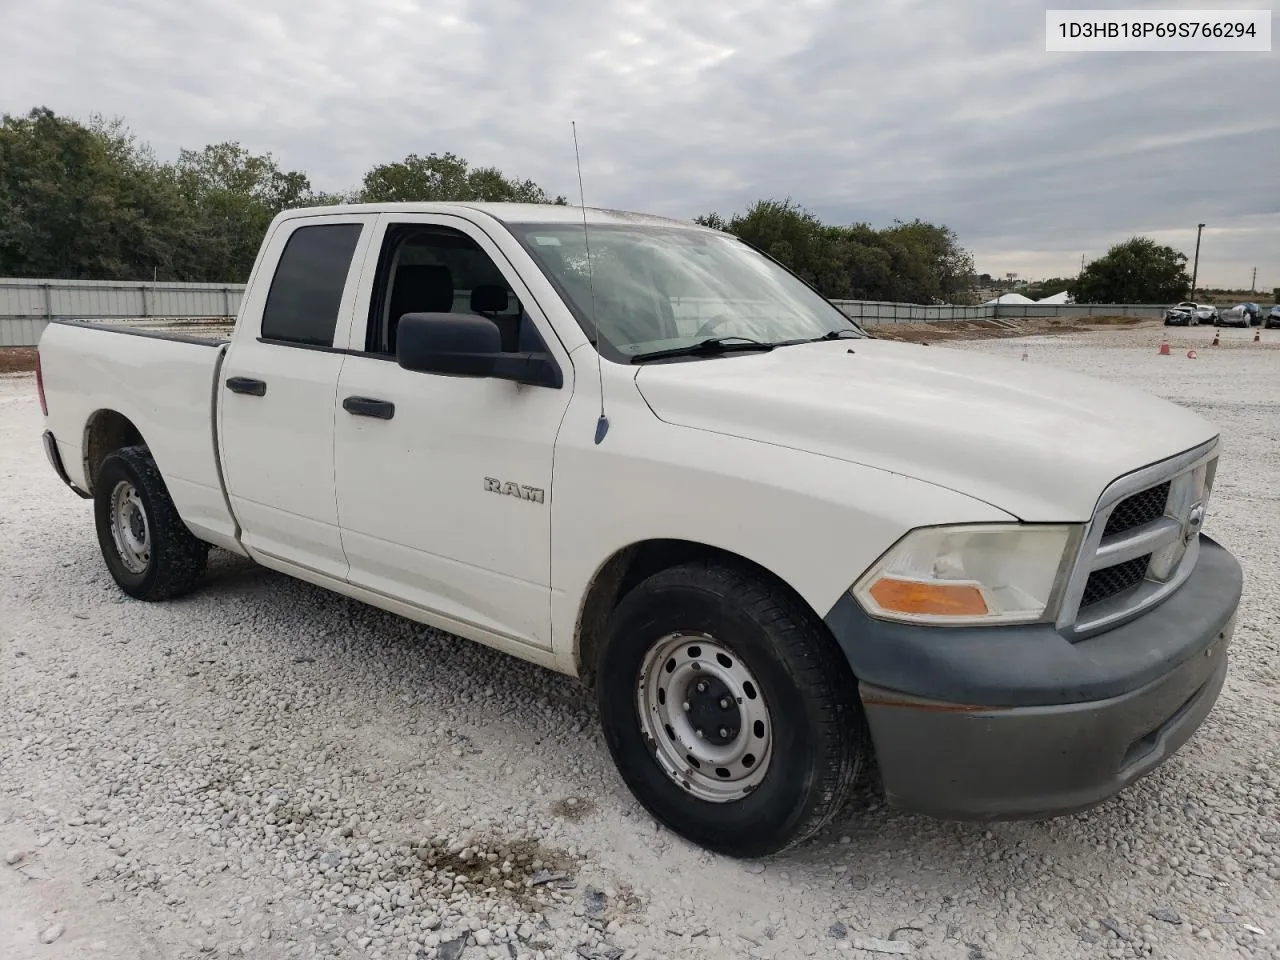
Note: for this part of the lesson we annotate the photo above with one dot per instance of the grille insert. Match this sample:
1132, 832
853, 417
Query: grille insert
1111, 581
1137, 510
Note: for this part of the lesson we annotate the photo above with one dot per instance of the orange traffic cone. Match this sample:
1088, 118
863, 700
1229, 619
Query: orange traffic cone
1191, 354
1257, 335
1215, 338
1164, 347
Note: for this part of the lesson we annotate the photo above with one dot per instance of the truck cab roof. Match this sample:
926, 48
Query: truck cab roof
502, 212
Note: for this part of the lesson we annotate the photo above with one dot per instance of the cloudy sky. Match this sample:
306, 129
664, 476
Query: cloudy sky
862, 111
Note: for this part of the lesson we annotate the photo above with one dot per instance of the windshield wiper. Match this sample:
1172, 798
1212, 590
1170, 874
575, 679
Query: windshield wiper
837, 335
846, 333
706, 348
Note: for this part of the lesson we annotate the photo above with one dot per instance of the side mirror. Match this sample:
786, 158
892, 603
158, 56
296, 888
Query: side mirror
468, 346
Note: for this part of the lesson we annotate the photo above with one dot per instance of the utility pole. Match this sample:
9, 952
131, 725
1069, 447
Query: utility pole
1195, 269
1253, 284
1082, 263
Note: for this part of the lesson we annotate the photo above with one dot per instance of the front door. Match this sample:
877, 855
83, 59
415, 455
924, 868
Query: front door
444, 482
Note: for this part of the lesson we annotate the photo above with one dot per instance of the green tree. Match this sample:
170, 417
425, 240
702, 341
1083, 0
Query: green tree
788, 233
1136, 271
233, 195
934, 265
445, 177
325, 199
81, 201
914, 261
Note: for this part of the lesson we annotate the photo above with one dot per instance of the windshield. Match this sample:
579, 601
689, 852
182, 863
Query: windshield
657, 287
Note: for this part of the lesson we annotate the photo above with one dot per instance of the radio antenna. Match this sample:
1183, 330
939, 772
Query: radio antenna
602, 425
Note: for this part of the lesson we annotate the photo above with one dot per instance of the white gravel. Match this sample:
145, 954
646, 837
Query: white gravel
268, 770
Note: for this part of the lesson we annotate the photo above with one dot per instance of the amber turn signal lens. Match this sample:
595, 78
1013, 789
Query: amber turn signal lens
936, 599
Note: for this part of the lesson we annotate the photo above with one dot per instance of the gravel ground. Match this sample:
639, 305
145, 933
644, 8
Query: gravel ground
265, 769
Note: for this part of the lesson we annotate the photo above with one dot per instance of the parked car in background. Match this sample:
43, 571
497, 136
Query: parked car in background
1182, 314
1236, 316
1273, 317
1252, 311
1206, 313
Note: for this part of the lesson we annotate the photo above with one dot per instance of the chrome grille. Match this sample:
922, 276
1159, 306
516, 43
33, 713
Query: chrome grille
1109, 581
1138, 509
1141, 544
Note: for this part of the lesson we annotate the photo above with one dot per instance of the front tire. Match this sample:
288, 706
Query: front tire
147, 548
729, 710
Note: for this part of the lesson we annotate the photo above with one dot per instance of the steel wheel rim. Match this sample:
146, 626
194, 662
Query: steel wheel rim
130, 529
731, 756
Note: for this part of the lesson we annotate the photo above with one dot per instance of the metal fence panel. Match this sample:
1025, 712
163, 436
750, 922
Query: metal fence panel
21, 331
878, 313
26, 306
79, 299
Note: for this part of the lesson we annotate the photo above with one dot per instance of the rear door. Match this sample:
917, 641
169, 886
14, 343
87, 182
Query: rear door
277, 390
444, 482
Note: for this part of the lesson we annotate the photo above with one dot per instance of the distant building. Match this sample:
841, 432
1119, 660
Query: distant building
1009, 298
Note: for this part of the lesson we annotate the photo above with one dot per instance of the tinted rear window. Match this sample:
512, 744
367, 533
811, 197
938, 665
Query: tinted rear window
302, 304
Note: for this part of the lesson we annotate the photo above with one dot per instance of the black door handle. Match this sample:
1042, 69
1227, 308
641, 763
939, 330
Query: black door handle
254, 388
366, 407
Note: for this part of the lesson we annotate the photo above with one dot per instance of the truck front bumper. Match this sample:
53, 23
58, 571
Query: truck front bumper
1015, 722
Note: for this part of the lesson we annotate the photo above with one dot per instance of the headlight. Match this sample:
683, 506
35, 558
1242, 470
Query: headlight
964, 575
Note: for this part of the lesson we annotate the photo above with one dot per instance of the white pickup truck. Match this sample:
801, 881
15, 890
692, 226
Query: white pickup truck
638, 451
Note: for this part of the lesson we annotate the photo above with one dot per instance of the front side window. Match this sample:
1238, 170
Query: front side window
652, 288
306, 291
430, 269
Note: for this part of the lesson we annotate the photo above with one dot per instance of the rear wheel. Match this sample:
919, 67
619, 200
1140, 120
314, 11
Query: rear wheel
147, 548
728, 709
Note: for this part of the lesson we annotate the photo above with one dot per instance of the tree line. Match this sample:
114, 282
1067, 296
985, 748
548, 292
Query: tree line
90, 201
1137, 270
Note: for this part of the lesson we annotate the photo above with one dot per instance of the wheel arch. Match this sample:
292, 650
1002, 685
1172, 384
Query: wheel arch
106, 431
626, 568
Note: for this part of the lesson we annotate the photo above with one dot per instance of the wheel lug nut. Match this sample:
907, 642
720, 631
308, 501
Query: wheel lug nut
724, 733
686, 706
702, 686
701, 735
724, 703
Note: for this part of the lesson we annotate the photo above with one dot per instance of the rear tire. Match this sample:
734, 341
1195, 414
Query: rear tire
147, 548
783, 735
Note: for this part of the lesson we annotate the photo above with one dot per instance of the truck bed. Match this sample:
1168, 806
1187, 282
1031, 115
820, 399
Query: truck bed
159, 383
211, 332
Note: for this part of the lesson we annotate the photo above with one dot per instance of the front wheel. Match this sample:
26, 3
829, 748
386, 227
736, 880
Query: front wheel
728, 709
147, 548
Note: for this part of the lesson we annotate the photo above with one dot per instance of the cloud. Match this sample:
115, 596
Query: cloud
889, 108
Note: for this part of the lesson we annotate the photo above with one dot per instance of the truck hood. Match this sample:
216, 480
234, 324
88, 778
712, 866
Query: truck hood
1036, 442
